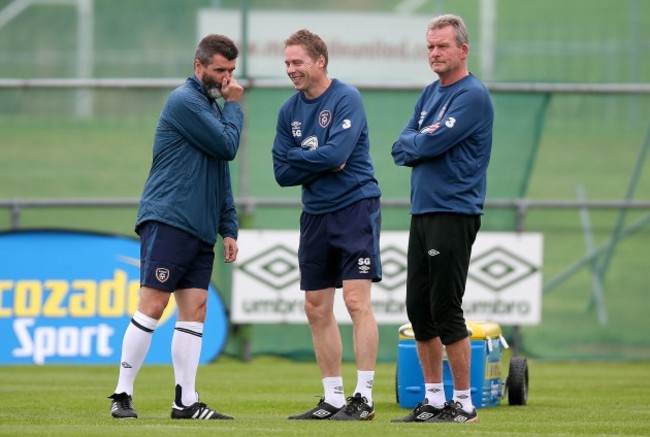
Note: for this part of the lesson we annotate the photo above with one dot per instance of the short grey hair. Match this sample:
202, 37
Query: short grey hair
456, 23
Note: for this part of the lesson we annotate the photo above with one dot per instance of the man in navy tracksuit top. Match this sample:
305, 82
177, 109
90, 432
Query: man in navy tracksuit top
447, 144
187, 200
322, 144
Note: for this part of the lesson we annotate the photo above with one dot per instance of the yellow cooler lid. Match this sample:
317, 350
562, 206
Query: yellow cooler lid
477, 330
482, 330
406, 332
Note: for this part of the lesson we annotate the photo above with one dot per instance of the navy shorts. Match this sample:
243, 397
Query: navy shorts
172, 259
340, 245
439, 251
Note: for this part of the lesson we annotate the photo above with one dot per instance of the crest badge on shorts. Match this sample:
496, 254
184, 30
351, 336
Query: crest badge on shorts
162, 274
324, 118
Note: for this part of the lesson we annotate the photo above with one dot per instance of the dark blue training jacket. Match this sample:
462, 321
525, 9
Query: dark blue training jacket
447, 142
189, 183
314, 137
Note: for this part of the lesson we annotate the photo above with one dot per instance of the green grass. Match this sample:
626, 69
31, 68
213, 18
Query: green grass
565, 399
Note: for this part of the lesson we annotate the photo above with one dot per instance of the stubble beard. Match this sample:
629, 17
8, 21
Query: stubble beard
211, 88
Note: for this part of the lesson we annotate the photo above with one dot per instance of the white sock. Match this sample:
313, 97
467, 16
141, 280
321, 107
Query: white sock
186, 352
434, 394
333, 387
365, 379
464, 397
135, 345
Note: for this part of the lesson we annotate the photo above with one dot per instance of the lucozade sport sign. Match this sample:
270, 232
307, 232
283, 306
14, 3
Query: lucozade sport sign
67, 297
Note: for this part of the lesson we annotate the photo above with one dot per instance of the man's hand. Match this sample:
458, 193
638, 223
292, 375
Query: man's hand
230, 249
231, 90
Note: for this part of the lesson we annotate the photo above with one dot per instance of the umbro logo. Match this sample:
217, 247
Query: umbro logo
424, 416
433, 252
126, 365
321, 413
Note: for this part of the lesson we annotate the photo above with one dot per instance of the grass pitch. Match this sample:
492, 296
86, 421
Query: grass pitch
565, 399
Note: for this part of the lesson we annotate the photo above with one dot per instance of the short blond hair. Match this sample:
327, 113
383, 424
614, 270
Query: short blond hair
312, 43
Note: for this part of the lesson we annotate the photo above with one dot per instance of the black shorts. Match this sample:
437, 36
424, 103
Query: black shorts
340, 245
440, 247
172, 259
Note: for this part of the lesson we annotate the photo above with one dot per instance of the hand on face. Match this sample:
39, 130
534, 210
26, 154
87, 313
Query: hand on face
217, 78
231, 90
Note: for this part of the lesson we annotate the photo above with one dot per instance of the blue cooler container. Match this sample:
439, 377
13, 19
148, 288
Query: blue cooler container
487, 345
